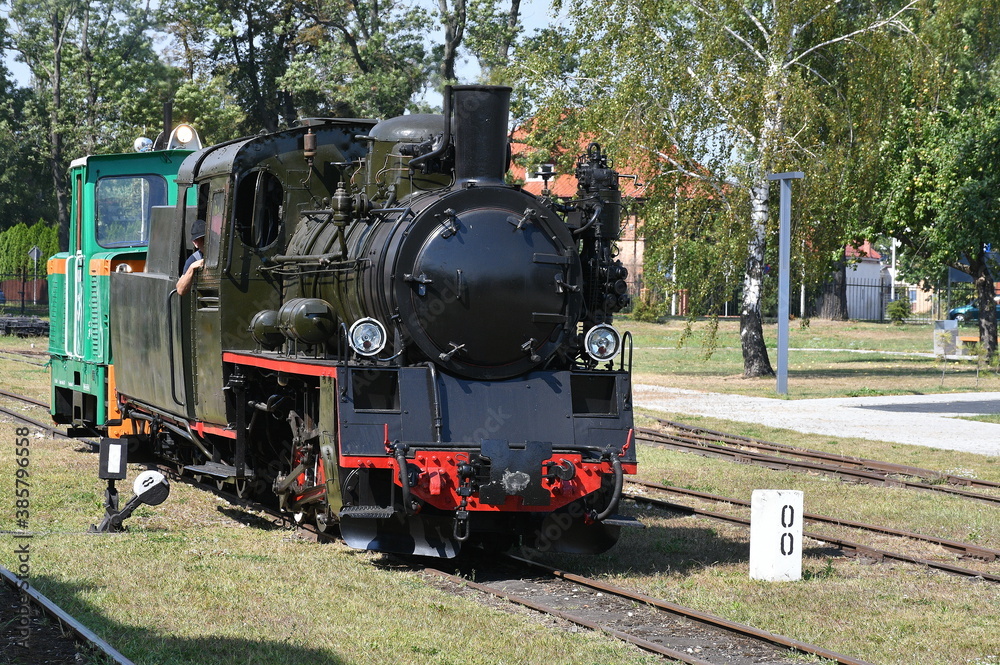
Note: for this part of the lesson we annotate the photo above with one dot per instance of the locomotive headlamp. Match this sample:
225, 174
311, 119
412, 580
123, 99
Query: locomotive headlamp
367, 337
602, 342
184, 137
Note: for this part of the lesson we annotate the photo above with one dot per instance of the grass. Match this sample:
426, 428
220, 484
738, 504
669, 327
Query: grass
26, 379
991, 418
827, 359
892, 614
197, 580
912, 510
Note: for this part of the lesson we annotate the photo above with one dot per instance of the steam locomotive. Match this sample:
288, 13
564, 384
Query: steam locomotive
385, 337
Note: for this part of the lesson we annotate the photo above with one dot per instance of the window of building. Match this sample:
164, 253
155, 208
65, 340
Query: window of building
532, 175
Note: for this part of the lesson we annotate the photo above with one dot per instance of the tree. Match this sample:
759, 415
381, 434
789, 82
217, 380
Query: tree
249, 43
207, 104
832, 303
942, 202
24, 195
742, 88
17, 241
492, 31
453, 17
358, 59
95, 79
41, 42
939, 176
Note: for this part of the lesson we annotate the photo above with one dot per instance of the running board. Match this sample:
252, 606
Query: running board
217, 470
625, 521
368, 512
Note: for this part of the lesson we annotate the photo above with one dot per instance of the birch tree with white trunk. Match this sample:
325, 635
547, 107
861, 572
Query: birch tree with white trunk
721, 93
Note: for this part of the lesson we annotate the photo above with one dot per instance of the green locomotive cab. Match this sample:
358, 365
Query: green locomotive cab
113, 198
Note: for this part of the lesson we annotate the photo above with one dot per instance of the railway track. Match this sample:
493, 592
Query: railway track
655, 625
12, 356
963, 550
745, 450
674, 631
45, 427
32, 632
31, 401
849, 547
708, 438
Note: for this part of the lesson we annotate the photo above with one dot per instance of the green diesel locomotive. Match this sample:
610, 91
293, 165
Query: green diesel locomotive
111, 203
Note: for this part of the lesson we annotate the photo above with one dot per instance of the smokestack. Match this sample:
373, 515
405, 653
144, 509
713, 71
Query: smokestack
480, 131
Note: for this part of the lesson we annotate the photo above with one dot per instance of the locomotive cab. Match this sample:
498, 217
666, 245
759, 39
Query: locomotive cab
243, 190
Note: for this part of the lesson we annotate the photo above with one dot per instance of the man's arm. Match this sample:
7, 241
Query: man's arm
184, 283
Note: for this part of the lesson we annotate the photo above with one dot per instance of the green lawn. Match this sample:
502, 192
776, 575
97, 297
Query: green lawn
197, 580
827, 359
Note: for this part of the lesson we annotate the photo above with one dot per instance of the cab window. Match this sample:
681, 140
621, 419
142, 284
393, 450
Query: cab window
123, 205
258, 209
213, 228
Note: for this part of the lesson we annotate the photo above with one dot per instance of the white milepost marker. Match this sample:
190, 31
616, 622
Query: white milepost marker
776, 535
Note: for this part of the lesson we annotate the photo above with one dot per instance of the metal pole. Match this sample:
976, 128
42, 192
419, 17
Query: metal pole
784, 268
892, 272
35, 253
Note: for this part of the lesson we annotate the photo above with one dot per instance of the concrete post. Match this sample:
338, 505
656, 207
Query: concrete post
776, 535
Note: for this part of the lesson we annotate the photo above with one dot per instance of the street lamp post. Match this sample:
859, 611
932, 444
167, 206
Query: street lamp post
784, 268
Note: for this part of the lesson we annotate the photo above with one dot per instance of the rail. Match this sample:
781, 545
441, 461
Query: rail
60, 615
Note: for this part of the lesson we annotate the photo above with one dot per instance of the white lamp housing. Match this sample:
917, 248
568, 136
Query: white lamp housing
602, 342
367, 337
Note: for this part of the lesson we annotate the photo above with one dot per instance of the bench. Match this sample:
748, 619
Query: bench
968, 340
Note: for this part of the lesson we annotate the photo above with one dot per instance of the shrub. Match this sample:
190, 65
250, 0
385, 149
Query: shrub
646, 312
898, 311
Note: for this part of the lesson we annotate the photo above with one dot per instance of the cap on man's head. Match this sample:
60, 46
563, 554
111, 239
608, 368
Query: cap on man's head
198, 229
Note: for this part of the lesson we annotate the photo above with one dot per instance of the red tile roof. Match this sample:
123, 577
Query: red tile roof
564, 184
863, 251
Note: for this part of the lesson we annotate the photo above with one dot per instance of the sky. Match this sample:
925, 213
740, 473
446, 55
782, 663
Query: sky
535, 14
